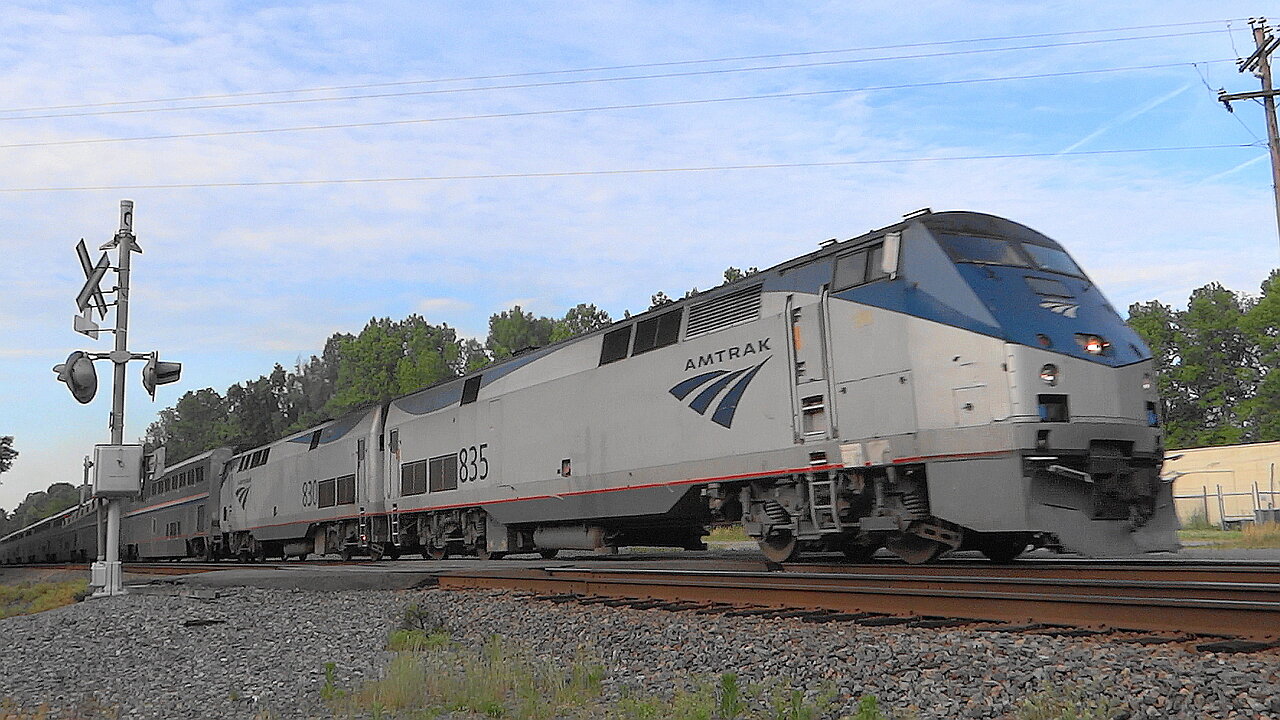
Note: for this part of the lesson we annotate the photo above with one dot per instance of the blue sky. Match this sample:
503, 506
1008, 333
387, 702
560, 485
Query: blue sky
235, 278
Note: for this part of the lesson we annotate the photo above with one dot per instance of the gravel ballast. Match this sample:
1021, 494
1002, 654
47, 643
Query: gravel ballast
261, 653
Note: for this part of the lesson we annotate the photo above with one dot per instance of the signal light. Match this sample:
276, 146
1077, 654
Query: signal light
78, 373
159, 373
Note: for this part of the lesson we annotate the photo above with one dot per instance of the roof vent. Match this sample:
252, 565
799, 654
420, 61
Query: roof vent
725, 311
917, 213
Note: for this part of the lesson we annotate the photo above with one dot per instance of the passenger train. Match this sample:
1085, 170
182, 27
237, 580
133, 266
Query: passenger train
953, 381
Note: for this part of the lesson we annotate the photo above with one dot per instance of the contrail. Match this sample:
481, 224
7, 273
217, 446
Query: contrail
1126, 117
1237, 168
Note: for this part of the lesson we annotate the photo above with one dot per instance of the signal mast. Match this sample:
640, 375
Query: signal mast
117, 466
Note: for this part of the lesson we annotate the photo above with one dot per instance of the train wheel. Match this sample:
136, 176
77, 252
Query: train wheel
780, 547
346, 553
915, 550
1001, 548
436, 553
549, 553
484, 553
302, 557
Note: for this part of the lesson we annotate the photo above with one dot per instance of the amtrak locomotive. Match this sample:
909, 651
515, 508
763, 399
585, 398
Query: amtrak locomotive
954, 381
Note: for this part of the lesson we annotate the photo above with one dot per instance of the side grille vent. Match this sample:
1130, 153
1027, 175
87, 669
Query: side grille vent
725, 311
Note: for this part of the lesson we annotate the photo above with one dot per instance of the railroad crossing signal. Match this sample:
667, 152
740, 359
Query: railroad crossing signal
78, 373
159, 373
91, 293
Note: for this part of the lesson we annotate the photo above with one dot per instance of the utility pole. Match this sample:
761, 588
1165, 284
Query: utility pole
1259, 63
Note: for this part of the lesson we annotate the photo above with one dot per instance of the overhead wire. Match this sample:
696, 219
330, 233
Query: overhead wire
622, 171
632, 66
586, 81
595, 108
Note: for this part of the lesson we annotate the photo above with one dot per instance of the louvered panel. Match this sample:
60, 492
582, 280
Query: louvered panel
725, 311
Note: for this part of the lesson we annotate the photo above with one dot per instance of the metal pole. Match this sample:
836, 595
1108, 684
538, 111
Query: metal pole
1269, 107
1205, 490
120, 359
1222, 510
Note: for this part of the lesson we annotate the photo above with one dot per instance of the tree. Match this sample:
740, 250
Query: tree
7, 453
1219, 364
391, 358
659, 299
514, 330
1160, 327
733, 274
198, 422
579, 320
40, 505
1261, 323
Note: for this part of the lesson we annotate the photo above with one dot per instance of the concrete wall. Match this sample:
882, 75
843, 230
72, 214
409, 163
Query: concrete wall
1200, 473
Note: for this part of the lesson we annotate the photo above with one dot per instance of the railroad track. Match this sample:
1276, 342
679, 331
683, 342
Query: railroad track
1179, 601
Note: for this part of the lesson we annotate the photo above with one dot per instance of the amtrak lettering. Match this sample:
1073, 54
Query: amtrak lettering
719, 380
732, 353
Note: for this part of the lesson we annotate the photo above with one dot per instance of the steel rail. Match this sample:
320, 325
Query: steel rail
1237, 572
1225, 609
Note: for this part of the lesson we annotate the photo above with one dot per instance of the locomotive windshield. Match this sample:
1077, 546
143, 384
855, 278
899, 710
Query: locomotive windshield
996, 251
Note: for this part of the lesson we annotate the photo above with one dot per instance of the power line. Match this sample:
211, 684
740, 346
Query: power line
625, 171
607, 68
597, 108
586, 81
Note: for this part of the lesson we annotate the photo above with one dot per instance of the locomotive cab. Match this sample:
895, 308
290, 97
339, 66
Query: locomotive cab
1033, 415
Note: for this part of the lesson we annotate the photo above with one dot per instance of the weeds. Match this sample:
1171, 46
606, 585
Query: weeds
84, 710
1256, 535
431, 676
1066, 705
869, 709
1198, 521
29, 598
727, 534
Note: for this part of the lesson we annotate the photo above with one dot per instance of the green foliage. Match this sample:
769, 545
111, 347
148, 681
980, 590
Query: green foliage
733, 274
1198, 522
869, 709
729, 703
330, 690
1060, 704
40, 505
1214, 364
7, 453
659, 299
514, 330
29, 598
580, 319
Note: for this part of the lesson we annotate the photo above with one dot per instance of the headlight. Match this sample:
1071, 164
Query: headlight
1146, 381
1093, 344
1049, 374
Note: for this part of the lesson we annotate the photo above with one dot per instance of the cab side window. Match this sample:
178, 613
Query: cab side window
860, 267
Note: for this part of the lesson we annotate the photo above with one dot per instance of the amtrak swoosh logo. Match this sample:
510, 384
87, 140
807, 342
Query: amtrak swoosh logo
716, 382
242, 494
1062, 308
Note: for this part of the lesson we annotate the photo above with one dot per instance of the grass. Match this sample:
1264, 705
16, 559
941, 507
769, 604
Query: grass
1251, 536
29, 598
432, 676
85, 710
1264, 535
1061, 704
727, 534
